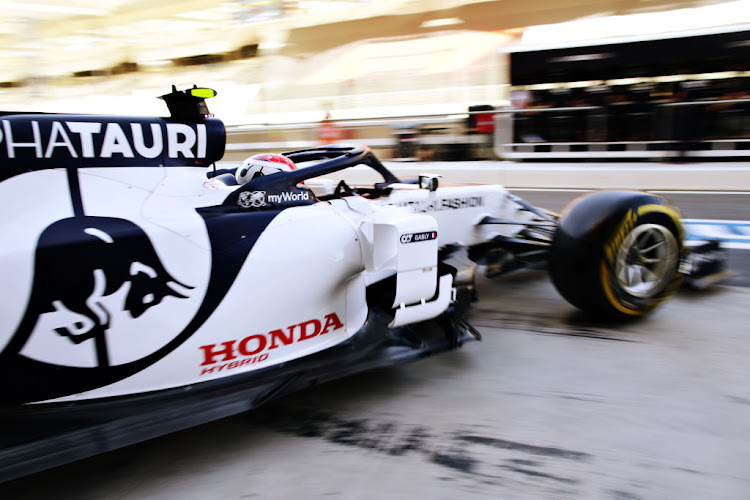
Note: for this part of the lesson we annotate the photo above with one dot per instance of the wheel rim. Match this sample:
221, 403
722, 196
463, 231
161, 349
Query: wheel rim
647, 260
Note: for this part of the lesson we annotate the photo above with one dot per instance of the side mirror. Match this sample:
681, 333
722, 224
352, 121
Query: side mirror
429, 182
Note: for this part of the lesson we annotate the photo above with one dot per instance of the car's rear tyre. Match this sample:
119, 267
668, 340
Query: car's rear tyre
616, 254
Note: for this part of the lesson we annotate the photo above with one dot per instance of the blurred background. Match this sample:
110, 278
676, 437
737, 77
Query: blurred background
432, 79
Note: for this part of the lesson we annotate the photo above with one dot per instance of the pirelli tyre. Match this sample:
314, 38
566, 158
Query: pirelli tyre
616, 254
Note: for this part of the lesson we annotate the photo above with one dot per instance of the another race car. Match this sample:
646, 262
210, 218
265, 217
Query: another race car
147, 290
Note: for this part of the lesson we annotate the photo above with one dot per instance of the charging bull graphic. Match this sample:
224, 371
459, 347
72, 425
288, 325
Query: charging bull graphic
98, 300
103, 306
80, 261
93, 278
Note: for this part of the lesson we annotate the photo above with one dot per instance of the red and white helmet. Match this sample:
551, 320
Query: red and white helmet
263, 164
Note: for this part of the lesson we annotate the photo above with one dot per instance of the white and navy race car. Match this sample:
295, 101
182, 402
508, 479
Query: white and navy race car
146, 291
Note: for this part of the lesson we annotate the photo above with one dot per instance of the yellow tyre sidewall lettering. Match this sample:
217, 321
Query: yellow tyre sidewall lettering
612, 246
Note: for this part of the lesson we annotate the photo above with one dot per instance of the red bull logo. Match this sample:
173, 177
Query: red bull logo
105, 256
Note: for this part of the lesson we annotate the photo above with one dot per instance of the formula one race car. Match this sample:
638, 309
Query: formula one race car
146, 290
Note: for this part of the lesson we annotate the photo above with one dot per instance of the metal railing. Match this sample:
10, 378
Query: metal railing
645, 130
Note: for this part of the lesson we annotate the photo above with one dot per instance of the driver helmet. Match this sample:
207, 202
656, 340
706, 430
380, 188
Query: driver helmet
263, 164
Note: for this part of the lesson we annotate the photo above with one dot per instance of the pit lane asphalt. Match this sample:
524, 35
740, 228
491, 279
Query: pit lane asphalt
551, 405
